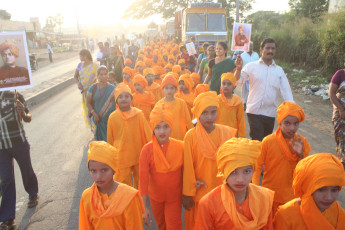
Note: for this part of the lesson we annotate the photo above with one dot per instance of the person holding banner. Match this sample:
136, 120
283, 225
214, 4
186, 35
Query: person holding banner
10, 74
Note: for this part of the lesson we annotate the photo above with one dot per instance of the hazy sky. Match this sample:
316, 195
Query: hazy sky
108, 12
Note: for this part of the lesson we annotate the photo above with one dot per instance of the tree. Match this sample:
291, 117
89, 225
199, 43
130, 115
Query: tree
4, 15
309, 8
53, 21
167, 8
153, 25
59, 20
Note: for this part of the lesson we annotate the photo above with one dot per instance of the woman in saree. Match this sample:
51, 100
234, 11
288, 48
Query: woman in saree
337, 96
101, 102
85, 76
216, 67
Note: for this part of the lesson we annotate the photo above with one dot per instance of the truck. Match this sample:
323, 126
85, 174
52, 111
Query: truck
205, 21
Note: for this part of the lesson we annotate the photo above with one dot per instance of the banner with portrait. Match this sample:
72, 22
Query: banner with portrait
241, 37
15, 71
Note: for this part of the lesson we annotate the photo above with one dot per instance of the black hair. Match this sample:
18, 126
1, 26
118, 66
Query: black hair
182, 47
86, 53
102, 67
267, 40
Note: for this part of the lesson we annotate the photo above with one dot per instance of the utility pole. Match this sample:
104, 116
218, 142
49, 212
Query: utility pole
237, 10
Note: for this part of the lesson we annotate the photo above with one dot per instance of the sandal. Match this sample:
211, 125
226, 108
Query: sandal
8, 225
33, 201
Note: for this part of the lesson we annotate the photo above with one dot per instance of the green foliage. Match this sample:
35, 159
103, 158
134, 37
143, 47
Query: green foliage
4, 15
301, 41
53, 21
167, 8
309, 8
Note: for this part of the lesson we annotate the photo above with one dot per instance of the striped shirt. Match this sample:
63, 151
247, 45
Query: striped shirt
11, 128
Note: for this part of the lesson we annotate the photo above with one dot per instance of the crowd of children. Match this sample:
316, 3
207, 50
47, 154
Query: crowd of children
174, 143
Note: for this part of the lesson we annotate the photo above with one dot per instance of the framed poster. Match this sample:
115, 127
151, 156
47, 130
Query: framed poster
191, 49
15, 71
241, 37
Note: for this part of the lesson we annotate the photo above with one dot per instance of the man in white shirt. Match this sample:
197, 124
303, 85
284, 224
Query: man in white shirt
266, 81
50, 53
99, 54
248, 57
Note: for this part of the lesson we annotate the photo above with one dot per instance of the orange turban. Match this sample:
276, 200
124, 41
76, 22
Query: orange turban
188, 81
128, 61
317, 171
161, 112
141, 52
141, 56
148, 71
289, 108
11, 46
103, 152
169, 79
175, 75
201, 88
148, 62
140, 63
229, 76
158, 70
121, 88
236, 153
141, 80
171, 57
202, 101
168, 66
176, 69
181, 61
128, 71
196, 78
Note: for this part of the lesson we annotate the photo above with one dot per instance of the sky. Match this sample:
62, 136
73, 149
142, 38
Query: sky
110, 12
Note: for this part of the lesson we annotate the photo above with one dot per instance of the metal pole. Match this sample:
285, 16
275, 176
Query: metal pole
237, 10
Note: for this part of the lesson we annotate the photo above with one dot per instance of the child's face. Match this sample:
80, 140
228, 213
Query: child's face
167, 70
101, 174
126, 77
165, 57
169, 91
289, 126
140, 69
325, 196
124, 101
111, 79
208, 117
171, 61
240, 178
154, 58
149, 79
182, 86
183, 66
129, 65
227, 87
162, 132
138, 88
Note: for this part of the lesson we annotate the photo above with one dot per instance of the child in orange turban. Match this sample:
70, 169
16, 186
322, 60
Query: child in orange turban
160, 170
281, 151
236, 204
128, 131
108, 204
201, 144
317, 181
186, 90
152, 86
231, 112
182, 120
143, 100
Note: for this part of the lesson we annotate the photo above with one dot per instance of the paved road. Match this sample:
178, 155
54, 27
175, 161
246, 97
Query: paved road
59, 141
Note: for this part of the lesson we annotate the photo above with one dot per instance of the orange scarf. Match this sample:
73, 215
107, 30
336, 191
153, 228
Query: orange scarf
260, 204
207, 147
286, 148
229, 103
169, 162
118, 202
331, 219
145, 98
129, 114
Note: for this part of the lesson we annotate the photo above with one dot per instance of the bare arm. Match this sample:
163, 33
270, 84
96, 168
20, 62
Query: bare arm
147, 215
239, 64
209, 76
90, 107
333, 96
